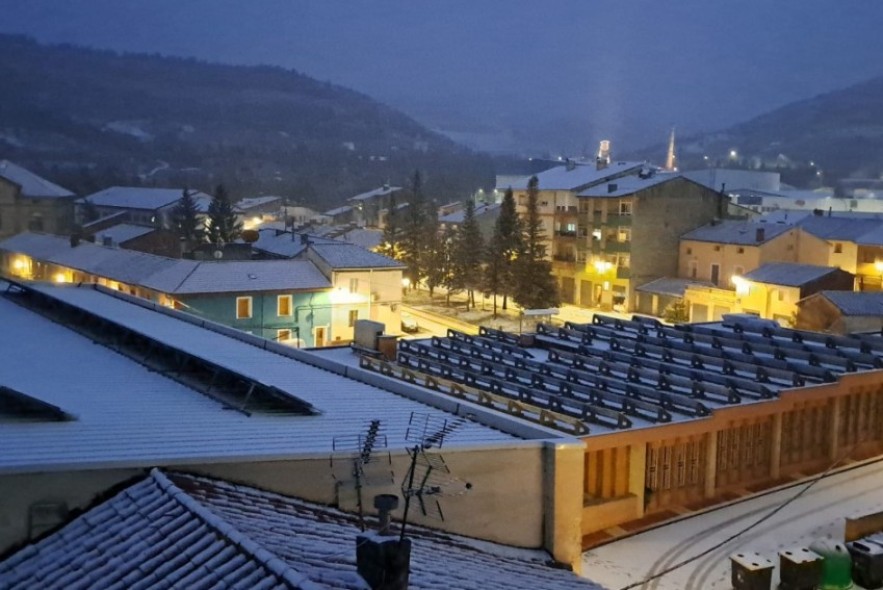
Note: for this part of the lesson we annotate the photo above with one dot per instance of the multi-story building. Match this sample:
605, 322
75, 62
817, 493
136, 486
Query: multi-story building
31, 203
616, 227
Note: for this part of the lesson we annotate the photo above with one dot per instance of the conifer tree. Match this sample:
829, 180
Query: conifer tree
224, 227
390, 243
185, 219
413, 234
502, 251
535, 285
435, 256
467, 249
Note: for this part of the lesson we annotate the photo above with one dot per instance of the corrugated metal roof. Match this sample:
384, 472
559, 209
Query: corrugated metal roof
32, 186
627, 185
275, 541
128, 415
671, 286
852, 303
341, 255
789, 274
737, 232
578, 177
137, 197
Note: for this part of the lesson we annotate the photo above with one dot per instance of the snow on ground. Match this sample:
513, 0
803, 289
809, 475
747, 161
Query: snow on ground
819, 513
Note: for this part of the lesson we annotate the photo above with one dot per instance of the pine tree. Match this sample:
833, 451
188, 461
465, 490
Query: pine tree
413, 240
435, 256
466, 256
185, 219
502, 252
535, 285
390, 244
223, 225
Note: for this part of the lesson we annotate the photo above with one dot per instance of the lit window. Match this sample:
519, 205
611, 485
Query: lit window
624, 234
243, 308
283, 305
354, 285
354, 315
283, 335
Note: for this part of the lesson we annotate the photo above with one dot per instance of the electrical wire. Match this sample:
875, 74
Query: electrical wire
738, 534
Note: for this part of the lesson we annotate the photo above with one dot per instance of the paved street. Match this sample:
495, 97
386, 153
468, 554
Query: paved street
819, 513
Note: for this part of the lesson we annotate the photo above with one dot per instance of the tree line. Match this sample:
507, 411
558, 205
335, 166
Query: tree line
511, 265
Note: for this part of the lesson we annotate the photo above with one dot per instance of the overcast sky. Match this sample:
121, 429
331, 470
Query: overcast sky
628, 67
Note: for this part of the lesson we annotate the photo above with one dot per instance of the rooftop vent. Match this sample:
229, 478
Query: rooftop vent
383, 559
612, 187
760, 234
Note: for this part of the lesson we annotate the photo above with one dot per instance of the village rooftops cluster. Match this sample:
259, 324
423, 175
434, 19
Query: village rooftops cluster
183, 531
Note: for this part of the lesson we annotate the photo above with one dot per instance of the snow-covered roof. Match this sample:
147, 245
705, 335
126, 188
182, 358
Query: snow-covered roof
284, 244
217, 534
341, 256
738, 232
671, 286
579, 176
480, 211
123, 232
126, 266
852, 303
251, 202
841, 227
32, 186
362, 237
789, 274
627, 185
243, 276
378, 192
137, 197
129, 415
169, 275
338, 211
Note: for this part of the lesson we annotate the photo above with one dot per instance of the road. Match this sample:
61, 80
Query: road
819, 513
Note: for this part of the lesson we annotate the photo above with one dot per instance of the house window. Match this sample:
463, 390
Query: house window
717, 248
283, 335
243, 308
624, 234
625, 208
283, 305
354, 315
689, 251
693, 269
715, 273
781, 295
740, 251
838, 248
354, 285
623, 261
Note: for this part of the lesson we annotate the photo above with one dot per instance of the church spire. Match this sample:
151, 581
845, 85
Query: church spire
671, 163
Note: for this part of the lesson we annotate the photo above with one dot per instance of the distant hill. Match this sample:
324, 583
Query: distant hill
840, 132
88, 119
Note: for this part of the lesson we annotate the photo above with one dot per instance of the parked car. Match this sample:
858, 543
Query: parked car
409, 324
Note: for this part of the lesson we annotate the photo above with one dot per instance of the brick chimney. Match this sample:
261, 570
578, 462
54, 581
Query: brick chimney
383, 559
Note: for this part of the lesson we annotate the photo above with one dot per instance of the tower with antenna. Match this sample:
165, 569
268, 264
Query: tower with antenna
671, 163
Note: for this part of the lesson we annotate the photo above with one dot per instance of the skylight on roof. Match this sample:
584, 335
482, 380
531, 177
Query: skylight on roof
16, 406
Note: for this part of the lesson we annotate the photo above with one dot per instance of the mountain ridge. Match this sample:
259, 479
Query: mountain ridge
90, 116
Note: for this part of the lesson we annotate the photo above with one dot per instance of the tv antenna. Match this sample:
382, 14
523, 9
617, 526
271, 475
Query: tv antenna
362, 459
428, 475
